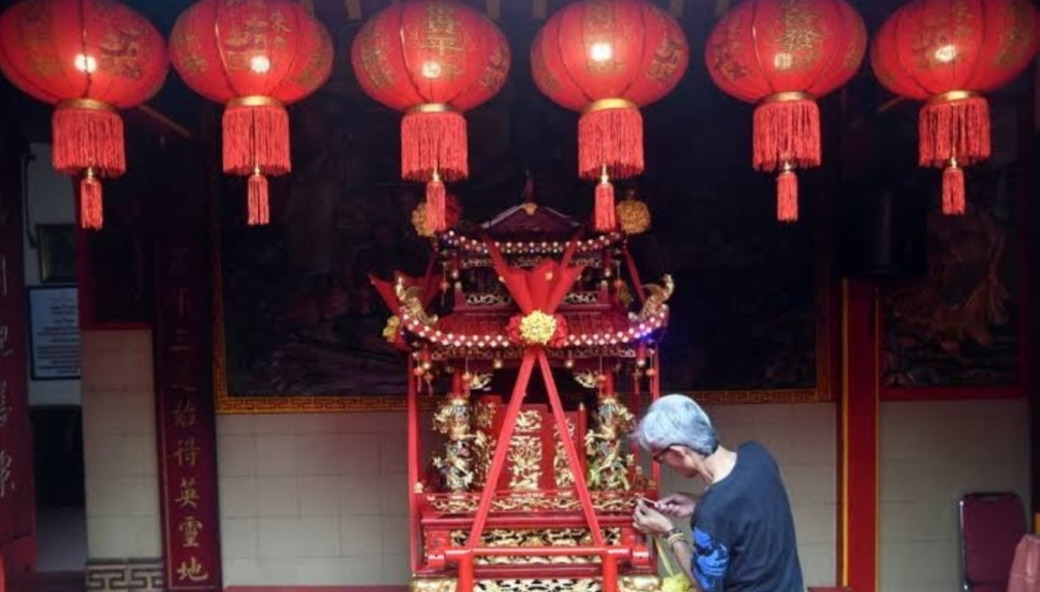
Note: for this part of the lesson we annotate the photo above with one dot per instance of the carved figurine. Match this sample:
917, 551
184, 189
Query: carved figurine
453, 420
608, 465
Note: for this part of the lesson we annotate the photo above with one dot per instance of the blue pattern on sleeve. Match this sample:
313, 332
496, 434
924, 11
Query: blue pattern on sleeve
710, 561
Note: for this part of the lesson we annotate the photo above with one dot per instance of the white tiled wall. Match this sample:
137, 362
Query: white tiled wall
932, 453
120, 460
802, 439
313, 499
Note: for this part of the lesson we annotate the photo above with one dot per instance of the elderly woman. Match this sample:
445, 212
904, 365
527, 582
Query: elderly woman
743, 531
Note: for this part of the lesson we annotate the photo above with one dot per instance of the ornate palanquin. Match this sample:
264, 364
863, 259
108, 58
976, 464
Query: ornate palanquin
502, 502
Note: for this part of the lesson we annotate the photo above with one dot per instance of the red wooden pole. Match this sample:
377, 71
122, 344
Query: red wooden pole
523, 377
859, 436
413, 469
572, 454
633, 273
610, 573
465, 583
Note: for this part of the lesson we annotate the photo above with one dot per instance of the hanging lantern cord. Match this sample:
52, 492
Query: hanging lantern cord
604, 218
90, 206
787, 194
259, 209
436, 203
953, 200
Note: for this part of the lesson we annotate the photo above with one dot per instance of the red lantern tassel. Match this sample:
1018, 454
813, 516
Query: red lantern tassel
91, 210
436, 205
256, 133
259, 208
953, 125
953, 202
433, 138
610, 131
87, 134
786, 132
605, 217
787, 196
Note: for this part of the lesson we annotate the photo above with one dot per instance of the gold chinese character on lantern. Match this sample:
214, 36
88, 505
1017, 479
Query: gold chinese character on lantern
187, 452
192, 571
190, 528
188, 496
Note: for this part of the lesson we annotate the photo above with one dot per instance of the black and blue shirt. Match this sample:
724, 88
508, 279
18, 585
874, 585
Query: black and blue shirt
743, 530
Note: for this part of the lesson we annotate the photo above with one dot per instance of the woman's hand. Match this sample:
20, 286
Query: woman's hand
650, 521
677, 505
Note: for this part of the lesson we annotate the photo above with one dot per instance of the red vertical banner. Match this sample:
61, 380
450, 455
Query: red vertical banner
184, 387
859, 425
17, 506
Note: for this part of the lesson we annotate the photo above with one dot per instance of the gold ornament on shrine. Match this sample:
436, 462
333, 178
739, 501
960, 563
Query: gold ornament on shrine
633, 215
420, 223
537, 328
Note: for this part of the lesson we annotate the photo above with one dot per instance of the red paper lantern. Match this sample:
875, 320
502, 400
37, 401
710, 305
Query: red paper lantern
434, 60
256, 57
947, 53
783, 55
607, 59
89, 58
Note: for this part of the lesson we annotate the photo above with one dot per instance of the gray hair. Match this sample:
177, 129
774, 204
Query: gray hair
676, 420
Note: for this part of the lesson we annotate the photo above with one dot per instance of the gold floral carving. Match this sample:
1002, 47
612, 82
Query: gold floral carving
562, 474
539, 585
538, 537
484, 416
434, 585
525, 501
525, 457
640, 583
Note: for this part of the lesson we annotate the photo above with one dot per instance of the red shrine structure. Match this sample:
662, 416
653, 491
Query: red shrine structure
503, 502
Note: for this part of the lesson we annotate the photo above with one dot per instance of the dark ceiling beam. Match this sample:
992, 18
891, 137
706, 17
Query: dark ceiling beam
165, 122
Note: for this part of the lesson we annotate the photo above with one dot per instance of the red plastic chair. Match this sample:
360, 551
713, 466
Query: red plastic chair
992, 524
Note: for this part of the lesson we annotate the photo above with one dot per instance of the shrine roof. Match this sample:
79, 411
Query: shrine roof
490, 330
527, 228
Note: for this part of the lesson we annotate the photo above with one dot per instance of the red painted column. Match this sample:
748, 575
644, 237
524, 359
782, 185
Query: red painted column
17, 493
858, 414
